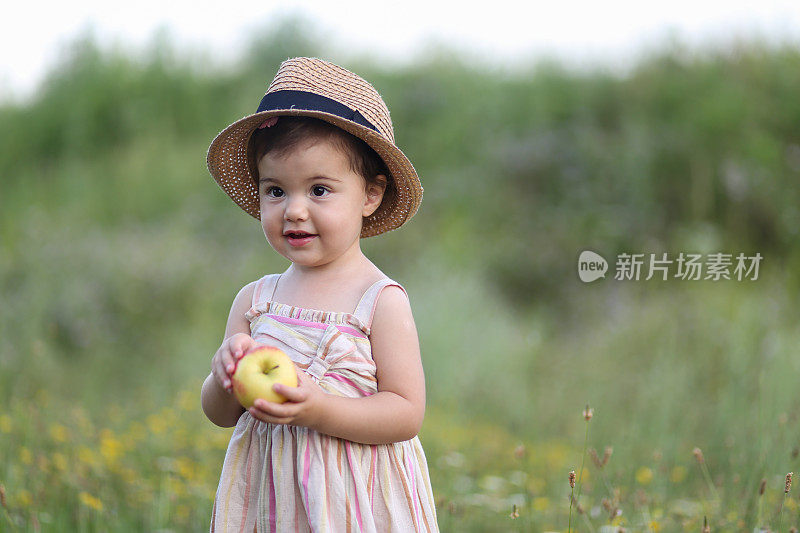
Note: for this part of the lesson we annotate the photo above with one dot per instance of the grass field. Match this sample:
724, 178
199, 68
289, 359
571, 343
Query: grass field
119, 259
666, 369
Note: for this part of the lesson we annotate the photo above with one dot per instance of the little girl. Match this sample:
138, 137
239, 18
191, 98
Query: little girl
317, 165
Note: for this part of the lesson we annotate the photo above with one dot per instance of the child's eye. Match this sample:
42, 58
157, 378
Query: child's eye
319, 190
275, 192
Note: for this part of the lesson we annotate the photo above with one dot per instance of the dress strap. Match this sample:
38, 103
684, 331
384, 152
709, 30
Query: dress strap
366, 306
265, 289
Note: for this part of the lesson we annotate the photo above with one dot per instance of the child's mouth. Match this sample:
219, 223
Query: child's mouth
299, 239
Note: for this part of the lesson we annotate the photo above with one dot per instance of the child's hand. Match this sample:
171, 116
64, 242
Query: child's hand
301, 409
224, 361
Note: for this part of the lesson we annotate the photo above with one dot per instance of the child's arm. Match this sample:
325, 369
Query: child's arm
394, 413
219, 405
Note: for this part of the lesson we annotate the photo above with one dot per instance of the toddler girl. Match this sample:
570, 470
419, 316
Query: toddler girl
317, 165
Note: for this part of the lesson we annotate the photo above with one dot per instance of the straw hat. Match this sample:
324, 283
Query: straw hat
315, 88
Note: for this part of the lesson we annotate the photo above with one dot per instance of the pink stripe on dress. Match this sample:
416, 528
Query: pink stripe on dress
326, 486
230, 477
318, 325
273, 527
251, 450
413, 485
355, 483
349, 382
371, 482
306, 468
258, 291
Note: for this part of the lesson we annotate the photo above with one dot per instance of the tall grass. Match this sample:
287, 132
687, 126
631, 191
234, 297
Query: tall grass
119, 259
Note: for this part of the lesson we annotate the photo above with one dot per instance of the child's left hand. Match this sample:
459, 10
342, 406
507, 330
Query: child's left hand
301, 406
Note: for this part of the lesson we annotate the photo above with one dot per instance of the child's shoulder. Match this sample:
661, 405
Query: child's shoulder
257, 285
244, 297
392, 295
246, 294
390, 303
391, 313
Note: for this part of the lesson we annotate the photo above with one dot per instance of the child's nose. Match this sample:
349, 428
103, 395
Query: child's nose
295, 209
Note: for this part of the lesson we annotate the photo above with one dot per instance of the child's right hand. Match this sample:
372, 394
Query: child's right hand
224, 361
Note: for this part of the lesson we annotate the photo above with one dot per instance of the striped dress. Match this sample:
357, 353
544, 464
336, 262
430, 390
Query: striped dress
279, 477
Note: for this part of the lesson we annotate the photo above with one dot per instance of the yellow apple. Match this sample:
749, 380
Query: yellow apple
257, 371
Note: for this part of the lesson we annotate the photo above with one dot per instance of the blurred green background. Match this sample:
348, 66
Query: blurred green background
120, 257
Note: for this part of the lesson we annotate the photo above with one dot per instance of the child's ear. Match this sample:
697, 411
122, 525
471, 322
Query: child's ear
374, 192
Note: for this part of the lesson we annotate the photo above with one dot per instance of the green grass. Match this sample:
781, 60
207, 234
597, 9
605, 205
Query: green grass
666, 367
119, 259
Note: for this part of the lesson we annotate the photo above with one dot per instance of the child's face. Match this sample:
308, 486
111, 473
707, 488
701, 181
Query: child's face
313, 191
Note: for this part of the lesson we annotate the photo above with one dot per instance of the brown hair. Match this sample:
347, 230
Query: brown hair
289, 132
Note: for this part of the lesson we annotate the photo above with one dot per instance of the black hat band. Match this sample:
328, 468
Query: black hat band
287, 99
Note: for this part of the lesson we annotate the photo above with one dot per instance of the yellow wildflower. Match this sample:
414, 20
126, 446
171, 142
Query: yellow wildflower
90, 501
220, 439
183, 512
5, 424
60, 461
176, 487
24, 498
655, 526
110, 446
677, 474
58, 433
188, 400
183, 437
25, 456
186, 468
644, 475
536, 484
136, 433
156, 424
169, 415
128, 475
555, 454
87, 456
541, 503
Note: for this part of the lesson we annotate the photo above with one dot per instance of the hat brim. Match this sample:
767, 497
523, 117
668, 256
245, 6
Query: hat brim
228, 165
